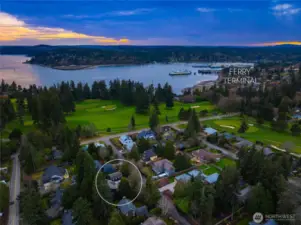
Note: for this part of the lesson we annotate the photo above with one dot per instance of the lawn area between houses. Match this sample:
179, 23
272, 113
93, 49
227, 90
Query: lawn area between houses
111, 114
262, 133
182, 204
210, 170
225, 162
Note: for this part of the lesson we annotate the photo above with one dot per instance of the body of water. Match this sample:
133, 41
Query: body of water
12, 69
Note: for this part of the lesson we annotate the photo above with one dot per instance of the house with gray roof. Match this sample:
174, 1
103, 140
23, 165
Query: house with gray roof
163, 166
115, 176
56, 204
153, 221
243, 144
67, 218
53, 174
127, 208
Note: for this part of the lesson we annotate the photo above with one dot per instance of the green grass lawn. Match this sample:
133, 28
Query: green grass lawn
225, 162
210, 170
262, 133
117, 117
182, 204
243, 222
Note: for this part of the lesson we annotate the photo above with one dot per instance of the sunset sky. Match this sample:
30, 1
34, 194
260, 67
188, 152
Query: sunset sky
211, 23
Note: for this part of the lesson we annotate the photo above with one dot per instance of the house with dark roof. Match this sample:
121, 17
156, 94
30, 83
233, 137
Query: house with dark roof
56, 154
115, 176
108, 168
127, 208
147, 134
67, 218
149, 155
163, 166
53, 174
56, 204
153, 221
163, 182
205, 156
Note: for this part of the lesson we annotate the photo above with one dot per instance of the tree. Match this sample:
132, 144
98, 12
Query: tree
31, 207
193, 126
134, 154
124, 188
85, 171
133, 123
226, 189
69, 197
153, 120
244, 126
125, 170
15, 134
260, 200
151, 194
116, 218
101, 209
143, 145
169, 151
295, 129
20, 109
4, 196
81, 212
156, 106
181, 162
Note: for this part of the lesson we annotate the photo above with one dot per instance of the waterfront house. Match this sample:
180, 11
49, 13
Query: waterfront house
163, 166
205, 156
127, 142
53, 174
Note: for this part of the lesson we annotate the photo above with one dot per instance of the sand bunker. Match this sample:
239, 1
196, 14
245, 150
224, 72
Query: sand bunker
196, 106
227, 126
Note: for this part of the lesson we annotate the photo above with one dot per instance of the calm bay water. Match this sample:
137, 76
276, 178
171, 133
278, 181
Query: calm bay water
12, 69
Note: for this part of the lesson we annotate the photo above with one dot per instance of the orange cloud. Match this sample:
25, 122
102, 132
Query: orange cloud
278, 43
13, 29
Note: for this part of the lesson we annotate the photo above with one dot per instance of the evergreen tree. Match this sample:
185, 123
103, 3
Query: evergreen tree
116, 218
86, 91
244, 126
169, 151
193, 126
181, 162
156, 106
81, 212
151, 194
133, 122
20, 109
295, 129
124, 188
153, 120
169, 98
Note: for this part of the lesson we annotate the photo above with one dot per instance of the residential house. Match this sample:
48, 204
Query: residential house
187, 99
113, 185
149, 155
53, 174
163, 166
127, 208
115, 176
227, 135
127, 142
194, 173
108, 168
153, 221
205, 156
147, 134
243, 144
204, 86
267, 152
55, 204
56, 154
183, 178
244, 194
67, 218
97, 164
163, 182
165, 129
211, 179
209, 131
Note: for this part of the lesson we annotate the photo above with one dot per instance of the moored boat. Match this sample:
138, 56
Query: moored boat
180, 73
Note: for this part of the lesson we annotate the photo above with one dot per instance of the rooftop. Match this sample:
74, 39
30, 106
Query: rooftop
210, 131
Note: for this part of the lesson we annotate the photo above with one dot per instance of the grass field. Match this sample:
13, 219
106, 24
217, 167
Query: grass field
262, 133
210, 170
112, 114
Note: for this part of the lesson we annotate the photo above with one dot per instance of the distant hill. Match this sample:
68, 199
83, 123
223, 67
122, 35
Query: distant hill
62, 56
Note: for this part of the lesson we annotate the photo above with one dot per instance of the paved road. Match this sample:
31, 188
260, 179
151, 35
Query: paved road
14, 189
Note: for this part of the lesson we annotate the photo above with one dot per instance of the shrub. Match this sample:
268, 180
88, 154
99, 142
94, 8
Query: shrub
108, 129
156, 211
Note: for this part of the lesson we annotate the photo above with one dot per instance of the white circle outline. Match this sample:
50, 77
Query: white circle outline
118, 205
